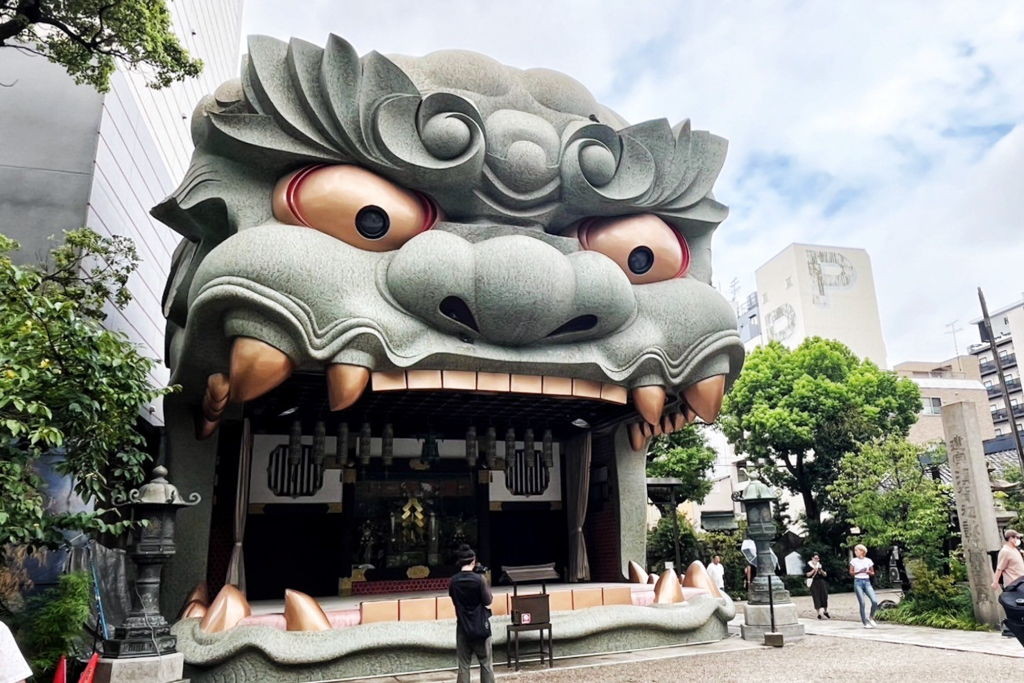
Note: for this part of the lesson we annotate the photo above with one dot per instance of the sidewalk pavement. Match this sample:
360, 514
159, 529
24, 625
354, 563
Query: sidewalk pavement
982, 642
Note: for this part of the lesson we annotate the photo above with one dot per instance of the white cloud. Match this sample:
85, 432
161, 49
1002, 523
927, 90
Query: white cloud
858, 124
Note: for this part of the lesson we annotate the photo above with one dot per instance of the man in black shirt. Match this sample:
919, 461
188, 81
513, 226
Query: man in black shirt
472, 598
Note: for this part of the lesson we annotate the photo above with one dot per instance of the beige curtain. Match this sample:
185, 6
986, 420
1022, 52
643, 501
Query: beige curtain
577, 489
236, 567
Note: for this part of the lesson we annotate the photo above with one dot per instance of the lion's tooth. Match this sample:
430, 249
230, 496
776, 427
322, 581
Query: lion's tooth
649, 401
678, 421
256, 368
705, 397
302, 613
637, 439
656, 428
666, 424
345, 384
228, 608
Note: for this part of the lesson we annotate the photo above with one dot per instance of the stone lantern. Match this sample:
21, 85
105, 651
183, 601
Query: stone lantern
144, 632
769, 608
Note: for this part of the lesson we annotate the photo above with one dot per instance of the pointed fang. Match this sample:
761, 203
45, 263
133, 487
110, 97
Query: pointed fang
228, 608
302, 613
345, 384
705, 397
256, 368
649, 401
636, 437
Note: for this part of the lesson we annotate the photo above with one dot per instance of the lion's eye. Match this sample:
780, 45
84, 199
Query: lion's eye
645, 247
353, 205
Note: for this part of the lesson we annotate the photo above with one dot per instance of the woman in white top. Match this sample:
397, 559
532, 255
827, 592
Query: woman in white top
862, 569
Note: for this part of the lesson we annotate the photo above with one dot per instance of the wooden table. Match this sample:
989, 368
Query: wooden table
512, 653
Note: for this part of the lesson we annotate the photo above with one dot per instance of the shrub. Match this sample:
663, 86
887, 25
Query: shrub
54, 621
935, 601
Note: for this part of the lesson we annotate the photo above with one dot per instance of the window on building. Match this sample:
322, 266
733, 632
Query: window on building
1006, 320
931, 406
764, 298
789, 282
753, 319
1003, 354
992, 408
988, 384
998, 431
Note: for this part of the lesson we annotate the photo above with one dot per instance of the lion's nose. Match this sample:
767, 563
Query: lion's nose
512, 290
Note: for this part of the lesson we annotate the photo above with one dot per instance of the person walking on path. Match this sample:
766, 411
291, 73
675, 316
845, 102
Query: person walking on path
862, 569
472, 599
716, 570
819, 586
1010, 565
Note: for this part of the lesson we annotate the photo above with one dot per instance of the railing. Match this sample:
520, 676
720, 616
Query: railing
998, 415
1013, 384
987, 367
1018, 410
1009, 360
994, 390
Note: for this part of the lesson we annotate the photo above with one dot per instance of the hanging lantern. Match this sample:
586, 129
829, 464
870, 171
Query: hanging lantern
472, 447
364, 444
387, 444
510, 447
491, 447
295, 444
341, 454
548, 451
319, 444
528, 451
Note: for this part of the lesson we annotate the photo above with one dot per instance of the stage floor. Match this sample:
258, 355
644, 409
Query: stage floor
335, 603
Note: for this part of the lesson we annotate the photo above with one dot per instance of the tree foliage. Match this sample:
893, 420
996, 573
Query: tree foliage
797, 412
55, 621
893, 499
87, 36
661, 544
68, 386
685, 455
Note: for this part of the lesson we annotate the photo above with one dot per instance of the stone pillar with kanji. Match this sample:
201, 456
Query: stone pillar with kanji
979, 530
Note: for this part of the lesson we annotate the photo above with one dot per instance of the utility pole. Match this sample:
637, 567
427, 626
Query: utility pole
1002, 379
953, 329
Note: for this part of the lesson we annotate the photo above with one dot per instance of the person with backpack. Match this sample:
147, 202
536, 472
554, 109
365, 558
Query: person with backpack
472, 599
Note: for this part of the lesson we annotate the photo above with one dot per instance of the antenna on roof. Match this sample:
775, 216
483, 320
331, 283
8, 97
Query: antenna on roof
953, 329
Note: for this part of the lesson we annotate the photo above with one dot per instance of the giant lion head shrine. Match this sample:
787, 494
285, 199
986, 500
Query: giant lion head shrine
419, 302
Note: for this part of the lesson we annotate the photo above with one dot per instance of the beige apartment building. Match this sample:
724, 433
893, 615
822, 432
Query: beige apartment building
1007, 326
812, 290
950, 381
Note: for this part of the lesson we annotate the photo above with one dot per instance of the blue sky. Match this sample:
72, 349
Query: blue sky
895, 127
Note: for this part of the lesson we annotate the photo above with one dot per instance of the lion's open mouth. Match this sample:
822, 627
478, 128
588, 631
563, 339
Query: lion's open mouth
421, 399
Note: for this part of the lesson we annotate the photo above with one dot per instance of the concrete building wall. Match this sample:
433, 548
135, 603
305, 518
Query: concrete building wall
949, 381
829, 292
48, 133
143, 149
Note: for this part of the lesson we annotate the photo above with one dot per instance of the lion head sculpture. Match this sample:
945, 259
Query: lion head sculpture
448, 214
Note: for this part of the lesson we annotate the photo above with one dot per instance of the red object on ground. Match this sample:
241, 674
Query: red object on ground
89, 675
61, 675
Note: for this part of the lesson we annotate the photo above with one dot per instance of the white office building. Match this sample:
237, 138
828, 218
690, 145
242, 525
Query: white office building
809, 290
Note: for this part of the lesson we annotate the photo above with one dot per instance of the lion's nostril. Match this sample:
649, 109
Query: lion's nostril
579, 324
455, 308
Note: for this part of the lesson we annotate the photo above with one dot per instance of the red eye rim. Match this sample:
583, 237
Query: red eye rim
429, 208
588, 223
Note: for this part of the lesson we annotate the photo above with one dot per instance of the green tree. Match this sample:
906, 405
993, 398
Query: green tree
685, 455
87, 36
68, 386
1013, 500
891, 496
797, 412
661, 546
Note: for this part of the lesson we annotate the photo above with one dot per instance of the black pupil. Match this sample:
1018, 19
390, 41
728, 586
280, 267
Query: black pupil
372, 222
641, 260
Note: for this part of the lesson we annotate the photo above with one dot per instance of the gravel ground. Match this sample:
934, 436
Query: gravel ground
816, 658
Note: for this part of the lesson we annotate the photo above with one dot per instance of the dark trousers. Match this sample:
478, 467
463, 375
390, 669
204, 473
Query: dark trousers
465, 649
